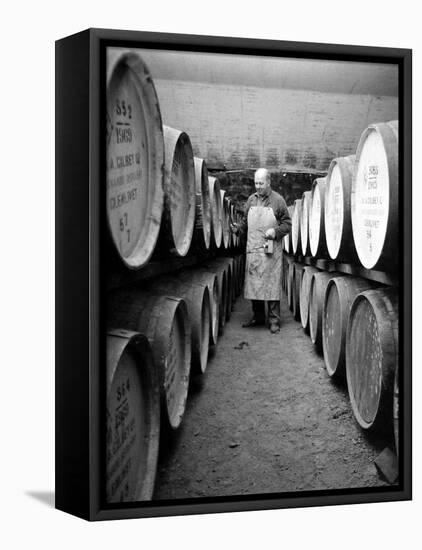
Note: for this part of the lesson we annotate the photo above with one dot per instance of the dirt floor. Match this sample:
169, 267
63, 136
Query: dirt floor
266, 417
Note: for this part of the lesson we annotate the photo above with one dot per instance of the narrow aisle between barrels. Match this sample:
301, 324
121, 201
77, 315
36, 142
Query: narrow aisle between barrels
265, 417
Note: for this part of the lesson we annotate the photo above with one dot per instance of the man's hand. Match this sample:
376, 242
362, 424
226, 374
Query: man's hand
270, 234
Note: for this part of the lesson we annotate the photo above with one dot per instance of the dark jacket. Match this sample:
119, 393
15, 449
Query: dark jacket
278, 204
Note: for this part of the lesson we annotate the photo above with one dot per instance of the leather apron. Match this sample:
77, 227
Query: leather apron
263, 271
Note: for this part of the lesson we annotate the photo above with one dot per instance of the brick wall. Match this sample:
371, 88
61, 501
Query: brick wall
246, 127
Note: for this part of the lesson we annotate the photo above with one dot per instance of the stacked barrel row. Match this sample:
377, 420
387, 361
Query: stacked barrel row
160, 198
351, 215
354, 323
165, 331
161, 203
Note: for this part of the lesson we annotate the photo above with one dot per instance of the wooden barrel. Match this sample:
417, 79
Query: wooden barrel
229, 261
201, 276
135, 158
240, 274
233, 281
235, 276
231, 209
233, 219
317, 240
396, 410
375, 197
319, 284
165, 322
221, 265
133, 418
304, 223
242, 271
229, 222
222, 289
297, 281
216, 212
235, 269
288, 237
232, 293
290, 283
179, 193
197, 299
305, 291
372, 357
337, 214
339, 296
295, 243
225, 220
202, 231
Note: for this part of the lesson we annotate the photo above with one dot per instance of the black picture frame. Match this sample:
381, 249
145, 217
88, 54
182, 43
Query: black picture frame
80, 68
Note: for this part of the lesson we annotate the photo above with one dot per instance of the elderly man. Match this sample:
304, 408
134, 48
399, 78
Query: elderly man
267, 221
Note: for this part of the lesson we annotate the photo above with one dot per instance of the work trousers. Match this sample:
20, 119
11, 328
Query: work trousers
258, 307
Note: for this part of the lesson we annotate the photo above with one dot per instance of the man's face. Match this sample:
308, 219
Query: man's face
261, 185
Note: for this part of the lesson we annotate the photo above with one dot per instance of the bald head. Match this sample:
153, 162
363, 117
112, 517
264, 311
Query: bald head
262, 174
262, 181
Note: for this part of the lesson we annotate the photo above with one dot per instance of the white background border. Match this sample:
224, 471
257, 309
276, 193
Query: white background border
29, 30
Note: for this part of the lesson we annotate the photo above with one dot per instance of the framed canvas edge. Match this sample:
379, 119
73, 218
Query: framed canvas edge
87, 502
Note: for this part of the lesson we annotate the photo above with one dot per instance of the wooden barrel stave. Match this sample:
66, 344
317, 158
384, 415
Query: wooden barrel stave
372, 357
233, 219
337, 213
295, 233
202, 228
375, 197
229, 262
197, 300
221, 265
296, 284
305, 289
319, 284
339, 296
240, 274
216, 212
178, 220
133, 409
304, 223
317, 239
290, 281
201, 276
236, 267
225, 220
164, 321
135, 159
288, 237
220, 273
